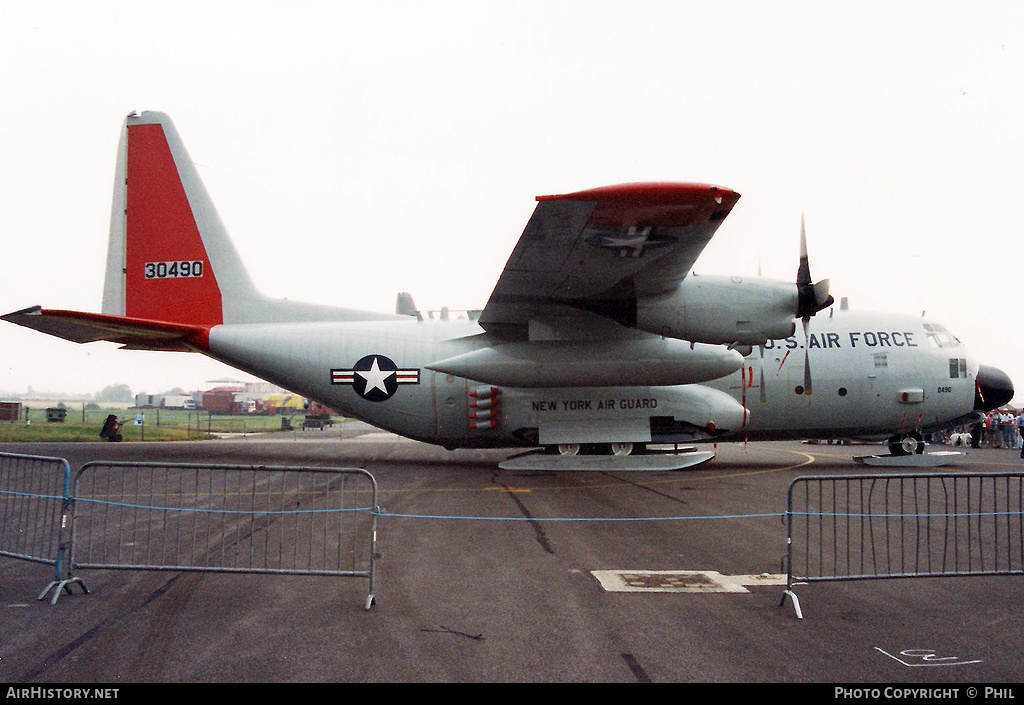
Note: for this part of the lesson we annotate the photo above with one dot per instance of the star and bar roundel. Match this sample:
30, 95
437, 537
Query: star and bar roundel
375, 377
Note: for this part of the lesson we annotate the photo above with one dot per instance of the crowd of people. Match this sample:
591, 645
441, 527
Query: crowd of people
1001, 428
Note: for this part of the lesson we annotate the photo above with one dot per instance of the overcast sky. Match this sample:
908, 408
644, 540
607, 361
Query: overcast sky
356, 149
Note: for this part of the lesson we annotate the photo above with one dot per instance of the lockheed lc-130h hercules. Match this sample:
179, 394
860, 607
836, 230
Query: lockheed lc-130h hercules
597, 342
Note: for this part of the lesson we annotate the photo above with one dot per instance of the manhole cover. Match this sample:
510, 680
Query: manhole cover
666, 581
653, 581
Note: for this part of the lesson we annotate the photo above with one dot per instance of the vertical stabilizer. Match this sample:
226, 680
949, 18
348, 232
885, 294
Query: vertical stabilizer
169, 257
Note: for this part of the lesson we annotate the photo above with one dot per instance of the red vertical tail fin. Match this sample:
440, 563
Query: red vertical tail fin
172, 272
169, 256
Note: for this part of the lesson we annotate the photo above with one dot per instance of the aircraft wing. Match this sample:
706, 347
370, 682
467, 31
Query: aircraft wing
600, 250
132, 333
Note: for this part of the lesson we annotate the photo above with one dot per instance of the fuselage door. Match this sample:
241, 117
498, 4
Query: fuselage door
451, 405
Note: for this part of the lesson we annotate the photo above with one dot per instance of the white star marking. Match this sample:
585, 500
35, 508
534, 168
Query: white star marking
375, 377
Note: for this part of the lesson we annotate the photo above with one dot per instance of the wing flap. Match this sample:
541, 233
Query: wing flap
132, 333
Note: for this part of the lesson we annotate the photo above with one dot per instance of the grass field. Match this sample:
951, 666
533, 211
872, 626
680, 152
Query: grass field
158, 425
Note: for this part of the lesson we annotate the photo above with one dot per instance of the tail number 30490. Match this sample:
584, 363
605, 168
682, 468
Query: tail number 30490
174, 270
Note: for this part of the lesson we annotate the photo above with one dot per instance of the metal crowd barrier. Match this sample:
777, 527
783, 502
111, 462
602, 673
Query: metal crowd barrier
227, 519
323, 521
212, 518
34, 508
904, 525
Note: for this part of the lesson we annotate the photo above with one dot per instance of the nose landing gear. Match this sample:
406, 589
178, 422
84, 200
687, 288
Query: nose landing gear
906, 444
906, 450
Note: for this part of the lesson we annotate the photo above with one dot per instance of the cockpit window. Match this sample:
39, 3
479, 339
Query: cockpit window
939, 337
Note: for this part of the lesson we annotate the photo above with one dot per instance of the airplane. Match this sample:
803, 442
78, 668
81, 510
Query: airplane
598, 344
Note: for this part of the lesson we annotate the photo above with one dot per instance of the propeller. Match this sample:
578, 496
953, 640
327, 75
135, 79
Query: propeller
811, 298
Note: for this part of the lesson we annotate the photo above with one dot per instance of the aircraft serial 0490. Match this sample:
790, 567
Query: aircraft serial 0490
597, 342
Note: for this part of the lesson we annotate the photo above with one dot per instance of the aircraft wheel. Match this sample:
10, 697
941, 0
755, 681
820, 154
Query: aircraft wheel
569, 449
896, 446
622, 449
906, 444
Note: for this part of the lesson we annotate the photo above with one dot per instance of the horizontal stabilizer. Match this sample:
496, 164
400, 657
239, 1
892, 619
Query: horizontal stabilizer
132, 333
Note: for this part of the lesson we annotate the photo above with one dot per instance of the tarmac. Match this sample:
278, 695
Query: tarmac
498, 576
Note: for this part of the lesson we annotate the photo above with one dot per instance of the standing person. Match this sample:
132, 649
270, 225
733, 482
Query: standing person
977, 433
1006, 427
1020, 430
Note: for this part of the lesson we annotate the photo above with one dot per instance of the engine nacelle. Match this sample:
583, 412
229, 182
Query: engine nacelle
722, 310
615, 363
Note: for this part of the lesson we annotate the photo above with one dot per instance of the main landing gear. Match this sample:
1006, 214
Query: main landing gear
617, 449
605, 457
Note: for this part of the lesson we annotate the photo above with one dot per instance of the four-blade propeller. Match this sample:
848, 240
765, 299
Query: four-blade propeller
811, 298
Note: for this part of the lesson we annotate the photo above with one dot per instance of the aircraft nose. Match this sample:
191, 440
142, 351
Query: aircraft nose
993, 389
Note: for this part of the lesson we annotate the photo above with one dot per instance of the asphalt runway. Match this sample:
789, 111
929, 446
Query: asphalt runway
462, 597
